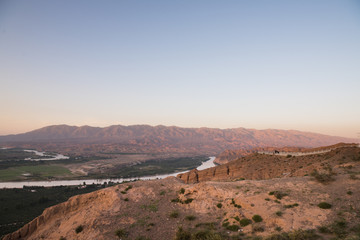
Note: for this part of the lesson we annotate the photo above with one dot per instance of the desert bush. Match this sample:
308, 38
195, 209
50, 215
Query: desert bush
278, 194
219, 205
324, 205
208, 225
295, 235
79, 229
162, 193
323, 177
128, 188
62, 238
190, 217
189, 200
182, 235
244, 222
142, 238
291, 205
233, 228
174, 214
279, 213
182, 191
257, 218
257, 228
126, 199
120, 233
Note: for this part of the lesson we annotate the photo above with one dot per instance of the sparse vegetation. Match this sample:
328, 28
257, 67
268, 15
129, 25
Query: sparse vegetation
257, 228
324, 205
278, 194
182, 191
219, 205
257, 218
151, 207
190, 217
291, 205
174, 214
295, 235
323, 177
79, 229
189, 200
244, 222
279, 213
120, 233
233, 228
181, 234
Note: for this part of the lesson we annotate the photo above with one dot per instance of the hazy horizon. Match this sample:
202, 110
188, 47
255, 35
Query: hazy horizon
252, 64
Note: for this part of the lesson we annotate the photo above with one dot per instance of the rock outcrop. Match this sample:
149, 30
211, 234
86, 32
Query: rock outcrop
263, 166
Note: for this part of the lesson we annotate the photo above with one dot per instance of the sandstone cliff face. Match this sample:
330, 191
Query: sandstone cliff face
262, 166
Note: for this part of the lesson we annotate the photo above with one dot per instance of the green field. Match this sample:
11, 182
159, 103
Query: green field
39, 172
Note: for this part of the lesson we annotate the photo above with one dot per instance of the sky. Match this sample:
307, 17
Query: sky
204, 63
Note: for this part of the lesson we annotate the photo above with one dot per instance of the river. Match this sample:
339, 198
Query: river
57, 156
207, 164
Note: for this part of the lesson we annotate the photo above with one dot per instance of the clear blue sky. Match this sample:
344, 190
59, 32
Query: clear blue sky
254, 64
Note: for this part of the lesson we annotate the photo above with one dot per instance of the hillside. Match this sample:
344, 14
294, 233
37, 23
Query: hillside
297, 207
230, 155
263, 166
144, 138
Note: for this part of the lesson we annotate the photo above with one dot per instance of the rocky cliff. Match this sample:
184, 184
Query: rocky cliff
263, 166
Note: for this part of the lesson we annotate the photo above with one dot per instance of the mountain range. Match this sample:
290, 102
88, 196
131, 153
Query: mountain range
145, 138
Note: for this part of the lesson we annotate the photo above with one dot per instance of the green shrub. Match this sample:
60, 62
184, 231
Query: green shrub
79, 229
120, 233
295, 235
182, 190
219, 205
233, 228
189, 200
182, 235
291, 205
279, 213
174, 214
244, 222
128, 188
278, 229
190, 217
324, 205
258, 228
126, 199
323, 177
162, 193
62, 238
175, 200
257, 218
279, 195
349, 193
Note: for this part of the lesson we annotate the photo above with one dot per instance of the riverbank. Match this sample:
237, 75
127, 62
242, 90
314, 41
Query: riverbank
206, 164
